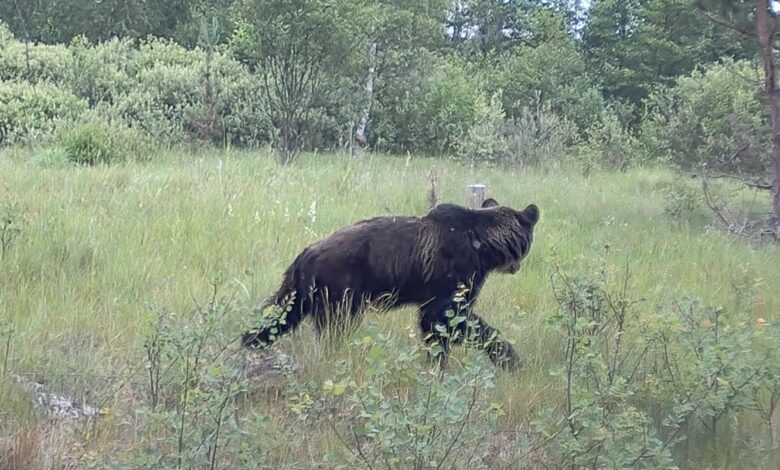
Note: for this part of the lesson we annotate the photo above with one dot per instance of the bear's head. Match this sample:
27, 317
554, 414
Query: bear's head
520, 225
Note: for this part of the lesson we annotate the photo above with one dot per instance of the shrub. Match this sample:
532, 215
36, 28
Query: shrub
601, 422
551, 75
157, 88
101, 73
709, 367
714, 116
32, 113
193, 417
402, 413
91, 142
540, 137
433, 114
609, 146
485, 140
681, 200
46, 62
158, 103
234, 108
635, 383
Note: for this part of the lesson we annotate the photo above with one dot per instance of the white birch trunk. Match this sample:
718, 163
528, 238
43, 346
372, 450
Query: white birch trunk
362, 127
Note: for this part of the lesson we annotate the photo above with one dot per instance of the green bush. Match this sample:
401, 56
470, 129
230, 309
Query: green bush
714, 116
236, 102
433, 114
401, 412
552, 74
536, 137
32, 113
194, 416
485, 140
681, 200
46, 62
609, 146
92, 142
539, 136
635, 384
101, 73
601, 423
156, 87
159, 87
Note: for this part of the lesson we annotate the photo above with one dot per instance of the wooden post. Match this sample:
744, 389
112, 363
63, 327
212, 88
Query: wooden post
475, 195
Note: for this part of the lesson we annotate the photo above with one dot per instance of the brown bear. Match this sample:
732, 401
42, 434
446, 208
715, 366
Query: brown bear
438, 262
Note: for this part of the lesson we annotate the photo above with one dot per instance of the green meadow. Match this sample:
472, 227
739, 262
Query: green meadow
100, 251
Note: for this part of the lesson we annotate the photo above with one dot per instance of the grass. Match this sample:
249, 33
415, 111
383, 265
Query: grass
99, 245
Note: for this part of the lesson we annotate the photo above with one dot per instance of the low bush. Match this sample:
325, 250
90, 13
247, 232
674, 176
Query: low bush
34, 113
402, 413
90, 144
636, 383
93, 142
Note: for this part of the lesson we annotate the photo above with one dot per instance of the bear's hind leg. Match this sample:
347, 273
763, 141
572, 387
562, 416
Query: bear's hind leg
287, 315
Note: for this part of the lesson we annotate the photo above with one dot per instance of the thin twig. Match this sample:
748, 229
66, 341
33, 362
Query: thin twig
463, 424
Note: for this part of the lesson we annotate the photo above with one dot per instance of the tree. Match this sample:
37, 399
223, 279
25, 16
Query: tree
62, 20
608, 47
757, 19
636, 45
405, 36
550, 73
490, 26
298, 48
575, 12
398, 30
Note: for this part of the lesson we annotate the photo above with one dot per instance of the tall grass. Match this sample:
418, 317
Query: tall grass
99, 245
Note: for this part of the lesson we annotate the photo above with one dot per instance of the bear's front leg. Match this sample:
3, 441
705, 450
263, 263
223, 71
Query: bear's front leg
480, 334
447, 322
430, 317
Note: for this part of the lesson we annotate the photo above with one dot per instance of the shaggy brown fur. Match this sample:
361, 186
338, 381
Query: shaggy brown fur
405, 260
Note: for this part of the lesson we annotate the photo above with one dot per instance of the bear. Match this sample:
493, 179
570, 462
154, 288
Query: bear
437, 262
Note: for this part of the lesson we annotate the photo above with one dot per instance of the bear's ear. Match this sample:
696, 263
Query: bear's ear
489, 202
530, 215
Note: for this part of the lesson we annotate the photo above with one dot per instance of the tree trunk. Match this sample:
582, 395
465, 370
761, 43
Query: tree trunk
765, 28
26, 42
360, 132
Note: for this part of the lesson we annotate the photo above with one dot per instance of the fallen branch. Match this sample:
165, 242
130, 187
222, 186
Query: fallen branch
708, 200
61, 405
752, 183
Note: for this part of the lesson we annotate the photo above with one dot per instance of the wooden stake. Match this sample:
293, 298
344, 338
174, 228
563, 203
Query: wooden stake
475, 195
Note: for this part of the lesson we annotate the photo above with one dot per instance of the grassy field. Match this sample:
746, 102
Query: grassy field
100, 247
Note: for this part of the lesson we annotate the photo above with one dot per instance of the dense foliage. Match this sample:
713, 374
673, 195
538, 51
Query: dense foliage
530, 82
